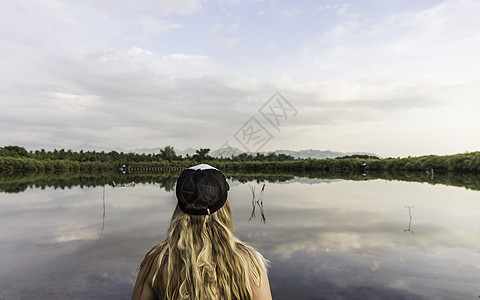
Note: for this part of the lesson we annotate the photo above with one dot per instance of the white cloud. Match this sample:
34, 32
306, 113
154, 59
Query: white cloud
271, 46
175, 64
233, 27
73, 103
152, 26
216, 28
339, 8
230, 42
288, 13
357, 71
174, 6
436, 44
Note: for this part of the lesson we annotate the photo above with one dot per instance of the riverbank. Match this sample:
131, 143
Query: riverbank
17, 159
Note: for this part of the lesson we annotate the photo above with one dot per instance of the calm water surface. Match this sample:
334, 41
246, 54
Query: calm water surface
325, 239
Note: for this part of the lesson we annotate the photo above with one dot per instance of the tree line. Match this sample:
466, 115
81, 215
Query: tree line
16, 158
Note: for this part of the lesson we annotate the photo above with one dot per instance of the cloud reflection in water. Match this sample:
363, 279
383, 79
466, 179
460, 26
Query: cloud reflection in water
349, 237
325, 240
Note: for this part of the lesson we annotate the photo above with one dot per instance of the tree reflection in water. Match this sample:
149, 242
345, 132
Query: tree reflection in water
18, 182
259, 203
103, 216
409, 229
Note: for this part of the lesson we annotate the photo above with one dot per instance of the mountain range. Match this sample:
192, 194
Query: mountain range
310, 153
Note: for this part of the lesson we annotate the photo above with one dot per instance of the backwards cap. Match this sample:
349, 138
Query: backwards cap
201, 190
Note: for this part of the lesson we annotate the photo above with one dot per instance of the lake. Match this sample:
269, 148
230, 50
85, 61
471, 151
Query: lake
324, 238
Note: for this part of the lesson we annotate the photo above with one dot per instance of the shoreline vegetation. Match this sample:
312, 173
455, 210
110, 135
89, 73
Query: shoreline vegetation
18, 159
20, 169
16, 182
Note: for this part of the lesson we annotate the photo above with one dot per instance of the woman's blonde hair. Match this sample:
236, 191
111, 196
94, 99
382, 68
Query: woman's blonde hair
201, 258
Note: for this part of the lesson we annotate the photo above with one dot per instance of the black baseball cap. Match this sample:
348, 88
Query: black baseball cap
201, 190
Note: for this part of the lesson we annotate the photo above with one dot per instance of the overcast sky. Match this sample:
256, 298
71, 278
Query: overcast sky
396, 78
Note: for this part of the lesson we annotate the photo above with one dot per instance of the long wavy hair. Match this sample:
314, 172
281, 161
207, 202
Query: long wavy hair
201, 258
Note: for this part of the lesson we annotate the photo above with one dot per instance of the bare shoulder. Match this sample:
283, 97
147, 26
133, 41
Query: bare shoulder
263, 292
143, 289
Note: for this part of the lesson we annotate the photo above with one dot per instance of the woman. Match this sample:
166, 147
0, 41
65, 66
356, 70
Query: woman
201, 258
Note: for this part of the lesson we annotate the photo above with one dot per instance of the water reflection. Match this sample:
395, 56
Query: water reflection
409, 229
50, 240
257, 202
128, 184
342, 239
325, 238
103, 215
19, 182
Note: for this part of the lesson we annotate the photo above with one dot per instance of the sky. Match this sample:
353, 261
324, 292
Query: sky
395, 78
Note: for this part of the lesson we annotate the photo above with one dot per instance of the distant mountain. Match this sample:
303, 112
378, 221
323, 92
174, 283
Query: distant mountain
320, 154
147, 150
89, 147
225, 152
189, 151
310, 153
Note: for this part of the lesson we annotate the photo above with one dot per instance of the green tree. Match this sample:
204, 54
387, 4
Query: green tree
168, 153
202, 154
14, 151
